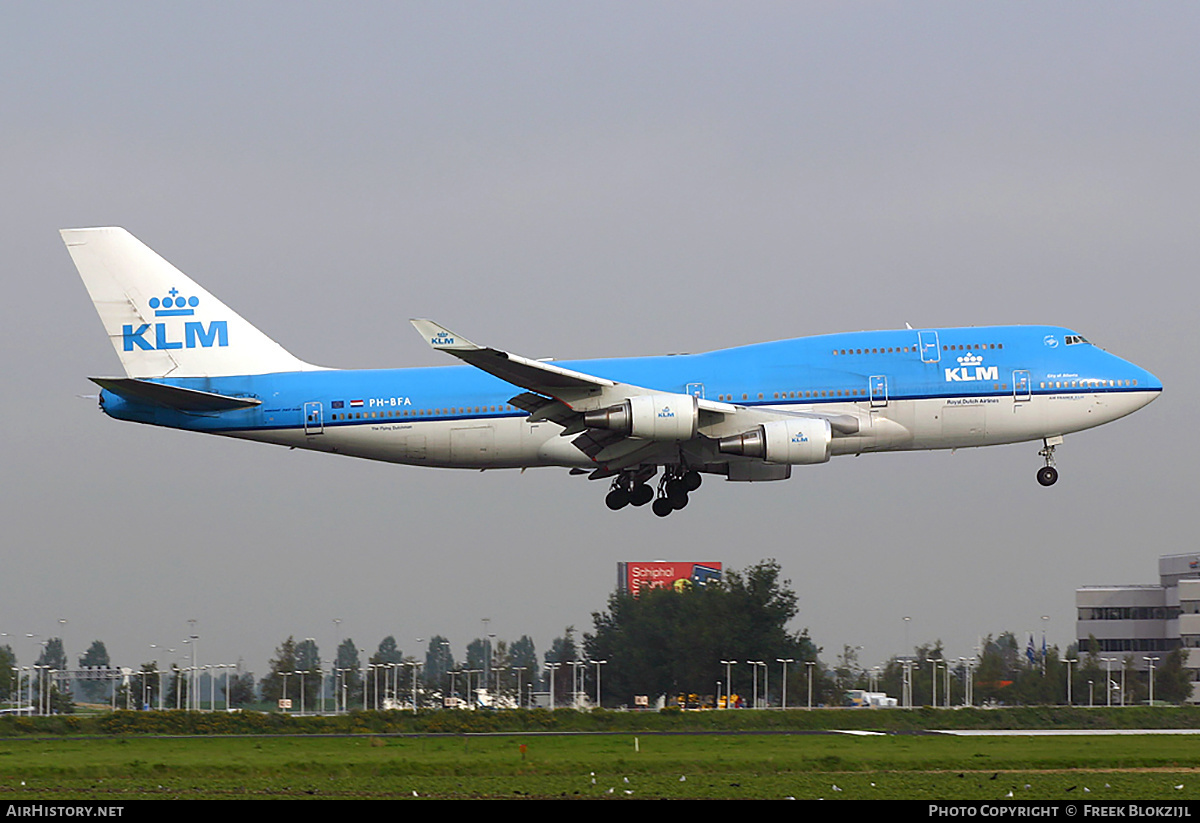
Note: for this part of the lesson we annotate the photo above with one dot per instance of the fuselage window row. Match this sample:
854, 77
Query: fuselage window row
421, 413
906, 349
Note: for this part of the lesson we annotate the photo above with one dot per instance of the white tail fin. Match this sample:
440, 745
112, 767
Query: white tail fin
160, 321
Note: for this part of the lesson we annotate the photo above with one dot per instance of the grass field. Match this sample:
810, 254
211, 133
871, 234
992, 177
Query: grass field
620, 766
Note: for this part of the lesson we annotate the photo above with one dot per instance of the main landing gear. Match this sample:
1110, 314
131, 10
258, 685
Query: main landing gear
1048, 475
631, 488
627, 489
674, 488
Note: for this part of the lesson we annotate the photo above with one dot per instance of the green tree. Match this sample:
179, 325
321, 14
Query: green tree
522, 668
9, 677
146, 685
384, 669
848, 674
1136, 685
96, 657
1172, 679
281, 682
562, 653
439, 662
997, 669
241, 689
308, 661
49, 685
669, 642
348, 678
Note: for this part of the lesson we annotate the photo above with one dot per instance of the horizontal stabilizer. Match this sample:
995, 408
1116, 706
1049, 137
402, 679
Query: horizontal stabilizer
172, 397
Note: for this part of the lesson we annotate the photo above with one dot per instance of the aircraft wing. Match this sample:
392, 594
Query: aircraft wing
578, 391
535, 375
565, 397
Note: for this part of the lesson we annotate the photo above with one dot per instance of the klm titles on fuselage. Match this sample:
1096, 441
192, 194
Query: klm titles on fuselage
969, 369
194, 332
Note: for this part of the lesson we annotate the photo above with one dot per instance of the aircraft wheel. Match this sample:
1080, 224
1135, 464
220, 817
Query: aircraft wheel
692, 480
641, 494
1047, 475
676, 493
617, 499
662, 507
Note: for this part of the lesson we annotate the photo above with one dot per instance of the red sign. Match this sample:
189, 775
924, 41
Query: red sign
634, 577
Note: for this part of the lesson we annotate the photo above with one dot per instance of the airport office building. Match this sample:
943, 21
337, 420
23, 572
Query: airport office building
1141, 621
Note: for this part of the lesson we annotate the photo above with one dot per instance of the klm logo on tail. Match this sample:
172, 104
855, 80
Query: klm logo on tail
195, 334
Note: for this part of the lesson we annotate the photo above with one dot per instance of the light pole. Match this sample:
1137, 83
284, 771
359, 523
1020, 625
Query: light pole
598, 663
1151, 661
518, 670
415, 665
784, 661
193, 637
552, 667
1108, 681
1045, 622
1069, 661
810, 664
933, 681
576, 680
968, 664
728, 681
300, 674
473, 695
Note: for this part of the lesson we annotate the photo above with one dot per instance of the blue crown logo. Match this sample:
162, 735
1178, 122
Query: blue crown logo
173, 305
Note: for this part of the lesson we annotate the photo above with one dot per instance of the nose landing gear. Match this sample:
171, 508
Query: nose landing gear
1048, 475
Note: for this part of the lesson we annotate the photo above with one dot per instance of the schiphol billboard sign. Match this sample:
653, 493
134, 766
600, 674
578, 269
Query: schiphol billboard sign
634, 576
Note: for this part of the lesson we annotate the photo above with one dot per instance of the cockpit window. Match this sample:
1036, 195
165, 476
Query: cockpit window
1073, 339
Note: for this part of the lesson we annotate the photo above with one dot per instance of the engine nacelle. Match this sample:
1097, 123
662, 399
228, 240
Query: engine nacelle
650, 416
793, 441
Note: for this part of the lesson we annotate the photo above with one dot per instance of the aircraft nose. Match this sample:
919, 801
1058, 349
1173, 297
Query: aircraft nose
1148, 386
1151, 382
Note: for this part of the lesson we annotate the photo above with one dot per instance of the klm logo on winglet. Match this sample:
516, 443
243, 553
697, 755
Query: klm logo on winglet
969, 369
442, 339
195, 335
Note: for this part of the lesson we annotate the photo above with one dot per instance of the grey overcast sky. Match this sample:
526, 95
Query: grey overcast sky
576, 180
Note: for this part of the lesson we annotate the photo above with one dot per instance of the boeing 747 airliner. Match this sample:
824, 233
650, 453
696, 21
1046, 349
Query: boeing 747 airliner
749, 413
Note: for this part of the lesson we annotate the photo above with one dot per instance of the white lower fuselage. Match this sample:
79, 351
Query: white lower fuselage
510, 441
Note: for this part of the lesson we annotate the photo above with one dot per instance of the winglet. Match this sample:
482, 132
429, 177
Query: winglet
440, 337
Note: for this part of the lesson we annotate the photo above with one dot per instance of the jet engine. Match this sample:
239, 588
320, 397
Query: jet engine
672, 417
791, 441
